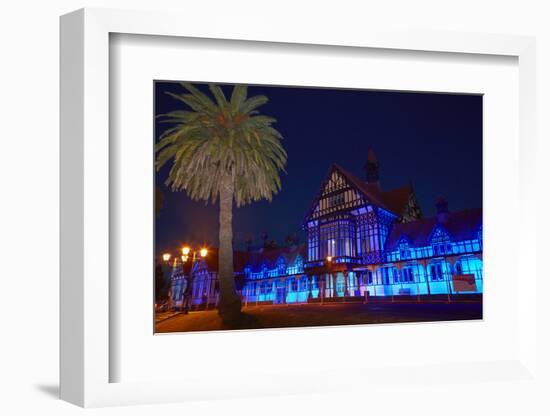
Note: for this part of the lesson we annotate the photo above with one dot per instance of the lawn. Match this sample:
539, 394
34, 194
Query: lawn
303, 315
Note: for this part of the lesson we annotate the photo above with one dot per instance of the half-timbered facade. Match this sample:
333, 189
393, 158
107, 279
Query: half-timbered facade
361, 241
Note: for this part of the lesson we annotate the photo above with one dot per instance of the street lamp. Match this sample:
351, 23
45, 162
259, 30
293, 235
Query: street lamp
186, 252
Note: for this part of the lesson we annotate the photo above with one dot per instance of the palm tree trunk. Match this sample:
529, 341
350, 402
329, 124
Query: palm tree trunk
230, 304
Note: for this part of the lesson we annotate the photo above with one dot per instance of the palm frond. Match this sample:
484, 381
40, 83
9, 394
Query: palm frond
217, 139
238, 96
252, 103
218, 95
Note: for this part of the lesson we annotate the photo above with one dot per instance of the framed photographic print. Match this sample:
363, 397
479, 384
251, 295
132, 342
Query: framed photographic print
291, 213
330, 246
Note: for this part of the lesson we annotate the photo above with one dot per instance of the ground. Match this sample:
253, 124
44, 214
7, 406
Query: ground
278, 316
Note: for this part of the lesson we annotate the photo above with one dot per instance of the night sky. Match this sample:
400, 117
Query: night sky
431, 140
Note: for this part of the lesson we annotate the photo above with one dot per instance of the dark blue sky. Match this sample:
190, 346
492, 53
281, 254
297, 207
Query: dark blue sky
432, 140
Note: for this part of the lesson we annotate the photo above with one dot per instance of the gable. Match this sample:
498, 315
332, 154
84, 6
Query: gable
337, 194
439, 234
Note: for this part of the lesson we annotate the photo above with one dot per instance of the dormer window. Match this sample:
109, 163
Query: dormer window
281, 266
297, 267
441, 242
404, 250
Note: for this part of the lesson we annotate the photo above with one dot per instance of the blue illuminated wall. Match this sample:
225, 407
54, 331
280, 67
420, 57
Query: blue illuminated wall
277, 283
382, 256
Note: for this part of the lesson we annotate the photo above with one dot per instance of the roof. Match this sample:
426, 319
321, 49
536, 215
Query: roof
271, 255
256, 258
361, 186
394, 200
240, 259
461, 225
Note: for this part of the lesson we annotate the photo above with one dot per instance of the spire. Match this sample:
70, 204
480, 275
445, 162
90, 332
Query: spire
372, 168
371, 156
442, 209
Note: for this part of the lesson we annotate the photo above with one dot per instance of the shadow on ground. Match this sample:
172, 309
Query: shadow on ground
51, 390
245, 321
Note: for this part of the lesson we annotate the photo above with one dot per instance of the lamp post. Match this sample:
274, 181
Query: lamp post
166, 271
187, 252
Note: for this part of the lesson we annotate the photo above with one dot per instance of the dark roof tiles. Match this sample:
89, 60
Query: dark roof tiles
394, 200
271, 255
256, 258
461, 225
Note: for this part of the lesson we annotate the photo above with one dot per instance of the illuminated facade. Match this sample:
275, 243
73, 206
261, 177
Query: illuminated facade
363, 241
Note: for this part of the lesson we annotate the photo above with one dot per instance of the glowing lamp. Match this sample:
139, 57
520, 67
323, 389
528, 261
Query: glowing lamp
183, 259
185, 251
329, 258
166, 256
203, 252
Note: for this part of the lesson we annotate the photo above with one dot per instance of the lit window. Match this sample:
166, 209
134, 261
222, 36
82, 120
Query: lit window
407, 274
458, 268
436, 272
369, 277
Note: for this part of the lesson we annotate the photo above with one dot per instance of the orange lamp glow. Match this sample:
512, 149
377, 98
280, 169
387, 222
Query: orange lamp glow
185, 250
166, 256
203, 252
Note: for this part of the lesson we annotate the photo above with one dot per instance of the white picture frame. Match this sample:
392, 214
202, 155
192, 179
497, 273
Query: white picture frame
85, 212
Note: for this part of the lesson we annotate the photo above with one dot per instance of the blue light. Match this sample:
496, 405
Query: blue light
359, 242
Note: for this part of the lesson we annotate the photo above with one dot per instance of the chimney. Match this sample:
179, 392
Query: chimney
442, 210
372, 169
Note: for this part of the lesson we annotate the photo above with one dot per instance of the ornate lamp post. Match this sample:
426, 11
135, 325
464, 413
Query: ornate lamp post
187, 252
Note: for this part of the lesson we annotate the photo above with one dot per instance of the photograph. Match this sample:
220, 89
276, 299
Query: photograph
285, 208
290, 206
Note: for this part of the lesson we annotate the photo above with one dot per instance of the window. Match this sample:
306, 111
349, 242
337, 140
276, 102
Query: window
335, 200
407, 275
369, 277
304, 284
313, 243
294, 285
404, 250
469, 265
385, 275
441, 242
331, 247
436, 271
297, 267
337, 238
396, 277
281, 266
368, 232
458, 268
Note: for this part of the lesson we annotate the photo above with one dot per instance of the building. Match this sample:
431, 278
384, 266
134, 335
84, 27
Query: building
364, 240
202, 275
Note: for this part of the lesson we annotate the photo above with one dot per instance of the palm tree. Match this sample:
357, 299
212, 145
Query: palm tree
227, 150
